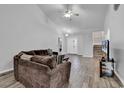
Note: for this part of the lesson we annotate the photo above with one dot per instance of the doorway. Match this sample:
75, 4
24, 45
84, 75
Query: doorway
98, 37
72, 45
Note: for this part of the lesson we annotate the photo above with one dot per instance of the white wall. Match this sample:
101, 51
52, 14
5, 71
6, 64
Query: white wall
24, 27
72, 45
64, 43
115, 24
84, 44
79, 44
87, 45
98, 36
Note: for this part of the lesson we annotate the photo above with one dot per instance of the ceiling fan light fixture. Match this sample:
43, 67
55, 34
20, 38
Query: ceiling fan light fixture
66, 35
68, 14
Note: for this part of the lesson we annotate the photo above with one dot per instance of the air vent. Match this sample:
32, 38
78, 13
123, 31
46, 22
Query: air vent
116, 7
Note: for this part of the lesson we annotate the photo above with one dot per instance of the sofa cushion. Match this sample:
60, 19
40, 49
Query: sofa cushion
46, 60
60, 75
26, 57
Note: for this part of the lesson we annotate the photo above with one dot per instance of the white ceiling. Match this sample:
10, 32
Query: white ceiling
91, 16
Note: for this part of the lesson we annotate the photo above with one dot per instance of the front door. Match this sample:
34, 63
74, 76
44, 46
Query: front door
72, 45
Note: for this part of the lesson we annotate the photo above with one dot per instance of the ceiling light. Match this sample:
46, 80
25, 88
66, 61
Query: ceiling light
68, 14
66, 35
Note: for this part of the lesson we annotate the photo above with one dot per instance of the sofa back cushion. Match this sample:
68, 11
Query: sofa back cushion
46, 60
29, 52
41, 52
36, 52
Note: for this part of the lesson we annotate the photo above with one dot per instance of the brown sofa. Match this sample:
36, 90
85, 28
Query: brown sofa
32, 73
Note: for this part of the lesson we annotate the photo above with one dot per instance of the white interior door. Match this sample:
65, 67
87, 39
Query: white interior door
72, 45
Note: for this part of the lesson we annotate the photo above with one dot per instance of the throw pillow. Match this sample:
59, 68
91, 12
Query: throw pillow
26, 57
50, 52
46, 60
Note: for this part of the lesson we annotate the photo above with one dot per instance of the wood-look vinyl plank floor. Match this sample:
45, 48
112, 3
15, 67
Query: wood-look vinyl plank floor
84, 74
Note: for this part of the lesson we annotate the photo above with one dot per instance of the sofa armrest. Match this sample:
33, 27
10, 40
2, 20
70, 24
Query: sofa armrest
33, 74
16, 60
60, 75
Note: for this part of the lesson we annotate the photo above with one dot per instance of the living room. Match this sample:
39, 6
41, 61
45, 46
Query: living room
60, 29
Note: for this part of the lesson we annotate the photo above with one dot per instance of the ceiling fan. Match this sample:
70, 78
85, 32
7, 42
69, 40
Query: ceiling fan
68, 13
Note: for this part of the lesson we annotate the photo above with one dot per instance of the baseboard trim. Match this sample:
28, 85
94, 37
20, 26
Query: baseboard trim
118, 78
6, 72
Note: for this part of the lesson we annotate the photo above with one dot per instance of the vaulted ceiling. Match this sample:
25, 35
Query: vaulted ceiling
91, 16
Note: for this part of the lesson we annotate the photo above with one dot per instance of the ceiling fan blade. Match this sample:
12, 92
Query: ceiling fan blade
76, 14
